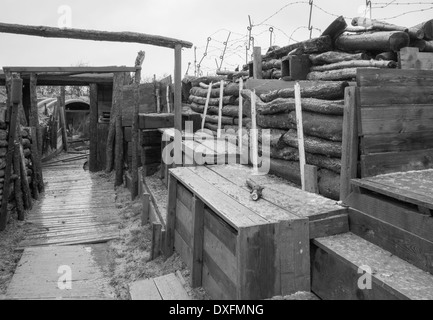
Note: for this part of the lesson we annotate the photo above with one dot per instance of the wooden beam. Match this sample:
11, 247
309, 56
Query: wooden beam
349, 159
95, 35
93, 127
62, 117
15, 99
76, 70
178, 103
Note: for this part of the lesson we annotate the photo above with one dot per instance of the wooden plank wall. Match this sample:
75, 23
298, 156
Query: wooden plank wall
395, 120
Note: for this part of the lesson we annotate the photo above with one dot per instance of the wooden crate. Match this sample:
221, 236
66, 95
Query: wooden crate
237, 248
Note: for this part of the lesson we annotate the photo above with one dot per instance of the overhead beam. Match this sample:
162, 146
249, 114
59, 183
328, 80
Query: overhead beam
109, 69
95, 35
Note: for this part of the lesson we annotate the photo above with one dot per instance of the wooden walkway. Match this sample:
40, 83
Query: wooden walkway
69, 226
75, 209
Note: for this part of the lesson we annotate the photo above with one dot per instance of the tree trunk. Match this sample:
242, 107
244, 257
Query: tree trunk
313, 145
376, 41
274, 136
280, 121
423, 46
336, 28
315, 45
336, 56
319, 90
320, 126
427, 28
390, 56
195, 82
333, 75
227, 100
356, 64
271, 64
231, 89
118, 161
329, 184
414, 33
224, 120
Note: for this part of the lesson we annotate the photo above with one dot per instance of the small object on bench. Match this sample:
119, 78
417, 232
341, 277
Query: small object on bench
256, 190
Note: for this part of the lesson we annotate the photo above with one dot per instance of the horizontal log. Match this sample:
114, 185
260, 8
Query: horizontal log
230, 89
356, 64
227, 100
427, 28
224, 120
315, 45
414, 33
271, 64
423, 46
320, 126
280, 121
376, 41
336, 28
333, 75
313, 145
336, 56
387, 56
195, 82
229, 111
285, 105
274, 136
70, 33
318, 90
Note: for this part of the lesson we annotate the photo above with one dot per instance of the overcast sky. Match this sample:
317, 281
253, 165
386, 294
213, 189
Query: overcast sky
190, 20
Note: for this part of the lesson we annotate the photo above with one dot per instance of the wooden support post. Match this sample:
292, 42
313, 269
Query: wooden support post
178, 105
197, 246
15, 100
171, 216
257, 63
118, 160
93, 128
156, 240
254, 134
62, 118
135, 129
220, 109
17, 182
27, 197
300, 127
34, 115
241, 105
145, 214
206, 106
349, 159
311, 179
167, 97
37, 180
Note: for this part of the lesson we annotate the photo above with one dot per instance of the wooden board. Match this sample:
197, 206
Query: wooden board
380, 96
335, 264
397, 142
411, 58
144, 290
37, 275
167, 287
394, 77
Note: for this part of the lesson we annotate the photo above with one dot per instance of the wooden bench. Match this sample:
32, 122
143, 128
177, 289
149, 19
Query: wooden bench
238, 248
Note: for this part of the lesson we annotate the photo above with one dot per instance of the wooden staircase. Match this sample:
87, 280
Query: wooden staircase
391, 232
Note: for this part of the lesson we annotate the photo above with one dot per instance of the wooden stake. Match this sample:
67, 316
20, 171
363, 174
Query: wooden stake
156, 240
37, 180
167, 97
178, 104
220, 110
61, 102
15, 100
300, 127
27, 197
254, 133
206, 106
241, 105
18, 186
118, 160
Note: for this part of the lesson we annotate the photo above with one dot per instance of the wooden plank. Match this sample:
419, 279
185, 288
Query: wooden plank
311, 179
135, 143
349, 159
93, 125
144, 290
300, 130
230, 210
379, 96
396, 119
399, 242
329, 226
225, 233
156, 120
177, 98
183, 249
198, 242
394, 213
394, 77
184, 220
214, 289
397, 142
383, 163
108, 69
171, 215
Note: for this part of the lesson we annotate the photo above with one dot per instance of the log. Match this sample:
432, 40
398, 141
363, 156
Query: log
274, 136
313, 145
319, 90
333, 75
276, 106
211, 126
95, 35
206, 86
279, 121
336, 28
336, 56
387, 56
224, 120
288, 170
376, 41
356, 64
329, 184
427, 28
414, 33
422, 45
118, 159
195, 82
230, 89
227, 100
38, 180
271, 64
315, 45
319, 125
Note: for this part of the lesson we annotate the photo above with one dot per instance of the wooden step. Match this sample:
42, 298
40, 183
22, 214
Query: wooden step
168, 287
335, 271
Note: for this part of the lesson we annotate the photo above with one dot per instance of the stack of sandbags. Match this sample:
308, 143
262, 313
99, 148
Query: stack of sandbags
3, 152
323, 105
230, 110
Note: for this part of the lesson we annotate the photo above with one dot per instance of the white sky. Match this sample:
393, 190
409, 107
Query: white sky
190, 20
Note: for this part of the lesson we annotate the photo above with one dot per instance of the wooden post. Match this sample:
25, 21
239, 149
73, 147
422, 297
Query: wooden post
257, 63
134, 169
17, 183
156, 240
220, 109
300, 128
61, 102
311, 179
37, 180
206, 106
349, 159
93, 128
241, 105
34, 115
118, 160
145, 213
178, 105
27, 197
254, 133
15, 100
167, 97
171, 216
197, 246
